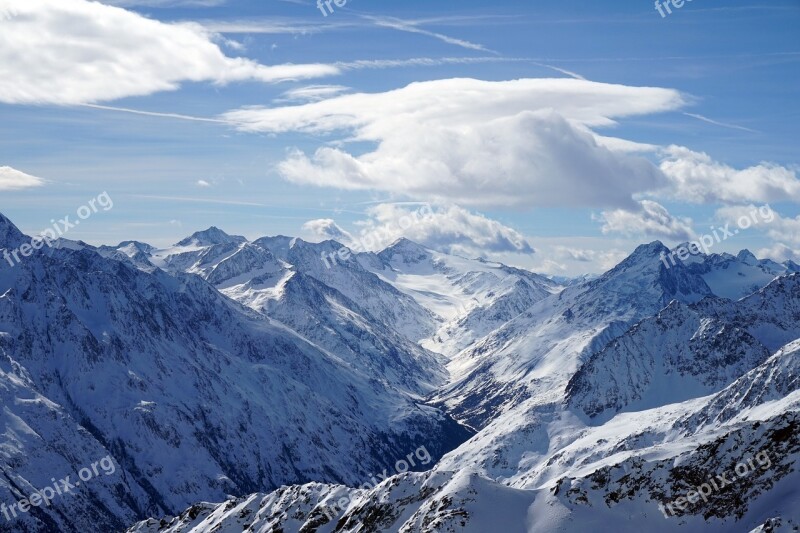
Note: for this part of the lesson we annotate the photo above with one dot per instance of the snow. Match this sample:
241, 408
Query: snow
248, 384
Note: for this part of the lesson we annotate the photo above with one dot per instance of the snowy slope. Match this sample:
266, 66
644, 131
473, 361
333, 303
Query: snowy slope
330, 319
259, 375
41, 440
195, 396
536, 353
344, 309
735, 276
683, 352
382, 300
471, 297
626, 475
228, 262
676, 355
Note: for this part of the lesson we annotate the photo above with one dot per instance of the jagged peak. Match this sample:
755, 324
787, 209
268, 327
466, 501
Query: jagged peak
404, 246
791, 266
404, 242
780, 284
747, 257
140, 246
650, 249
644, 254
10, 235
210, 237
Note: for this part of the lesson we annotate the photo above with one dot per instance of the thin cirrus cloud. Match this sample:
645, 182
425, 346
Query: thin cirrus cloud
516, 143
718, 123
12, 179
413, 27
300, 26
446, 228
76, 51
313, 93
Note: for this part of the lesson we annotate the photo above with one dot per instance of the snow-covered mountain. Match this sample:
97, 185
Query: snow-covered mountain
282, 385
472, 297
248, 270
686, 351
193, 395
725, 462
535, 354
340, 307
734, 276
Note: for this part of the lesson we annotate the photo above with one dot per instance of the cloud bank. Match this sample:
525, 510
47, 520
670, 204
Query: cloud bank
519, 143
449, 229
695, 177
651, 220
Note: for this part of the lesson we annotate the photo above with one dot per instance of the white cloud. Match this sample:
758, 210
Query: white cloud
313, 93
697, 178
779, 252
778, 228
652, 219
327, 228
76, 51
203, 183
471, 142
270, 26
12, 179
449, 229
600, 259
565, 253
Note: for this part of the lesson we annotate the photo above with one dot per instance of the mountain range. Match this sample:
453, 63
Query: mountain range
281, 385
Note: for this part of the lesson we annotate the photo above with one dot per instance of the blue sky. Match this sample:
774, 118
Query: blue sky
495, 114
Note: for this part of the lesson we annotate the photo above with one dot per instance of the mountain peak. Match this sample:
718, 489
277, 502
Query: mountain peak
408, 250
210, 237
10, 235
650, 273
406, 245
651, 249
139, 246
746, 256
791, 266
644, 253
